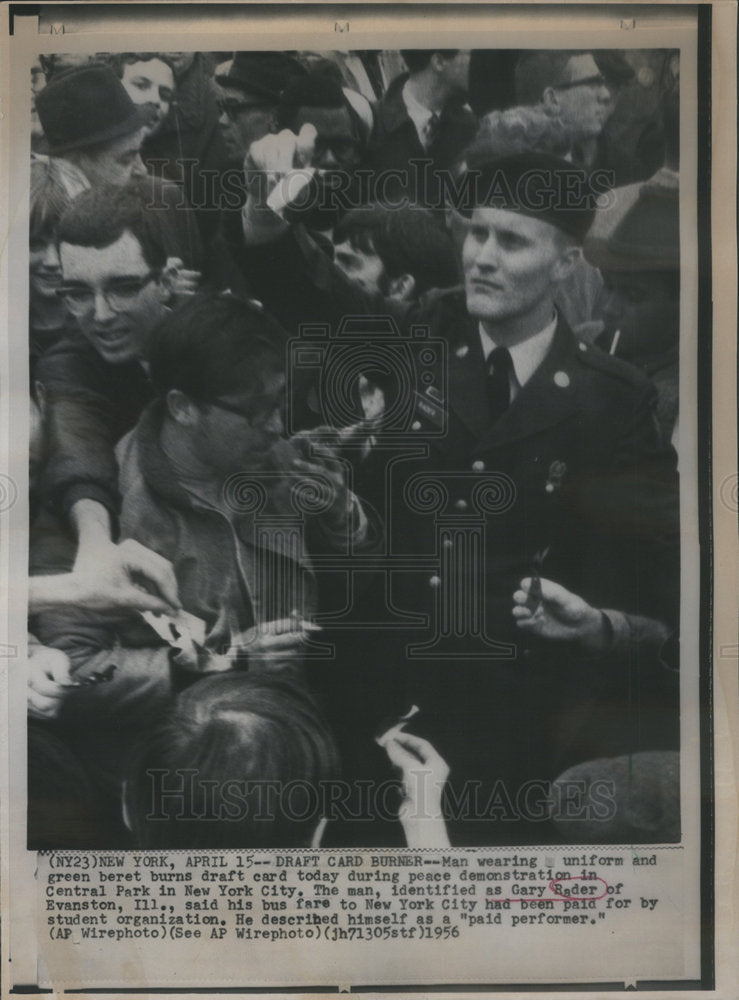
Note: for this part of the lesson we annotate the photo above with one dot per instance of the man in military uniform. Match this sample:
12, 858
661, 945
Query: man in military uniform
540, 510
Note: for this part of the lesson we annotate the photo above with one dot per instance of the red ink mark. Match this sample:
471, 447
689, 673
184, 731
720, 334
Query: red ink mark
561, 897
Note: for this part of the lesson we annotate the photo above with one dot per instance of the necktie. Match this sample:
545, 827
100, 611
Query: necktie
498, 385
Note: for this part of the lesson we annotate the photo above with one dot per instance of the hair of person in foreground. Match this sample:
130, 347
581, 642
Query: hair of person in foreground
238, 761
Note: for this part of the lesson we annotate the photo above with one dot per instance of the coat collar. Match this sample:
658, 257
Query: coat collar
392, 111
548, 397
156, 468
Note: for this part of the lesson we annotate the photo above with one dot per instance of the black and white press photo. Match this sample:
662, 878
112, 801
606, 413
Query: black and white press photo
354, 505
359, 498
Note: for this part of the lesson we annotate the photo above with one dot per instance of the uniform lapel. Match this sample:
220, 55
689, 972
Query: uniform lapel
468, 383
547, 398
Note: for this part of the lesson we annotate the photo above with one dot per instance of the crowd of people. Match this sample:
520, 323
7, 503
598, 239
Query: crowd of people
354, 396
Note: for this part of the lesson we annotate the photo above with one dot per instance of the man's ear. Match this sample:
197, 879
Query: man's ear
566, 262
182, 409
402, 288
437, 62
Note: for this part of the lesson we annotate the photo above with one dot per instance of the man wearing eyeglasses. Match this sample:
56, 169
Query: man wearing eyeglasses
571, 87
248, 95
210, 482
338, 150
117, 282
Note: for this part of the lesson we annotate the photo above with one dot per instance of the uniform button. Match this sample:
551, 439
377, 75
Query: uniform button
562, 379
549, 487
461, 504
416, 425
448, 543
582, 346
478, 466
526, 653
435, 581
462, 351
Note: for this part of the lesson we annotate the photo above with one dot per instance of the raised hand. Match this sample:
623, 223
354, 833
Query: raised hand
278, 167
423, 774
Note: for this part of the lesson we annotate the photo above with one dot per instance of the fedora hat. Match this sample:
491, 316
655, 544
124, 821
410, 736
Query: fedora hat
84, 107
646, 239
263, 73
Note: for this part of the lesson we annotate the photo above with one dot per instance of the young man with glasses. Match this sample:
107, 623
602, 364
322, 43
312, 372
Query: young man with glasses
571, 87
209, 481
117, 282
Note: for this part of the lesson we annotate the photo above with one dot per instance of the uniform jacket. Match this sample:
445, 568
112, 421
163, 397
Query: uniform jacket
575, 471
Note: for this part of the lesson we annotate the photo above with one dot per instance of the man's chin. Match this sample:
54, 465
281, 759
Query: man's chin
480, 307
115, 353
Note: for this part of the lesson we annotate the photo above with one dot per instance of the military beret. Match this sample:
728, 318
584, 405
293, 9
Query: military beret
539, 185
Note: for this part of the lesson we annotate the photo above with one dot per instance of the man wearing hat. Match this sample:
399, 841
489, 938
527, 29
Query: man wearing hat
91, 122
89, 119
640, 302
533, 461
248, 95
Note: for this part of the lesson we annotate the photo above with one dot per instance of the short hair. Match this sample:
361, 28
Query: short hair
318, 89
418, 59
214, 344
407, 241
535, 71
237, 735
119, 60
517, 130
50, 198
100, 216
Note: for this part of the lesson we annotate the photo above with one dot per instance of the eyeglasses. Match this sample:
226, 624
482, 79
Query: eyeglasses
118, 293
234, 108
344, 148
597, 80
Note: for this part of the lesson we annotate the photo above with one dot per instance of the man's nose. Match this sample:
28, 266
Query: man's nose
488, 256
102, 311
50, 258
